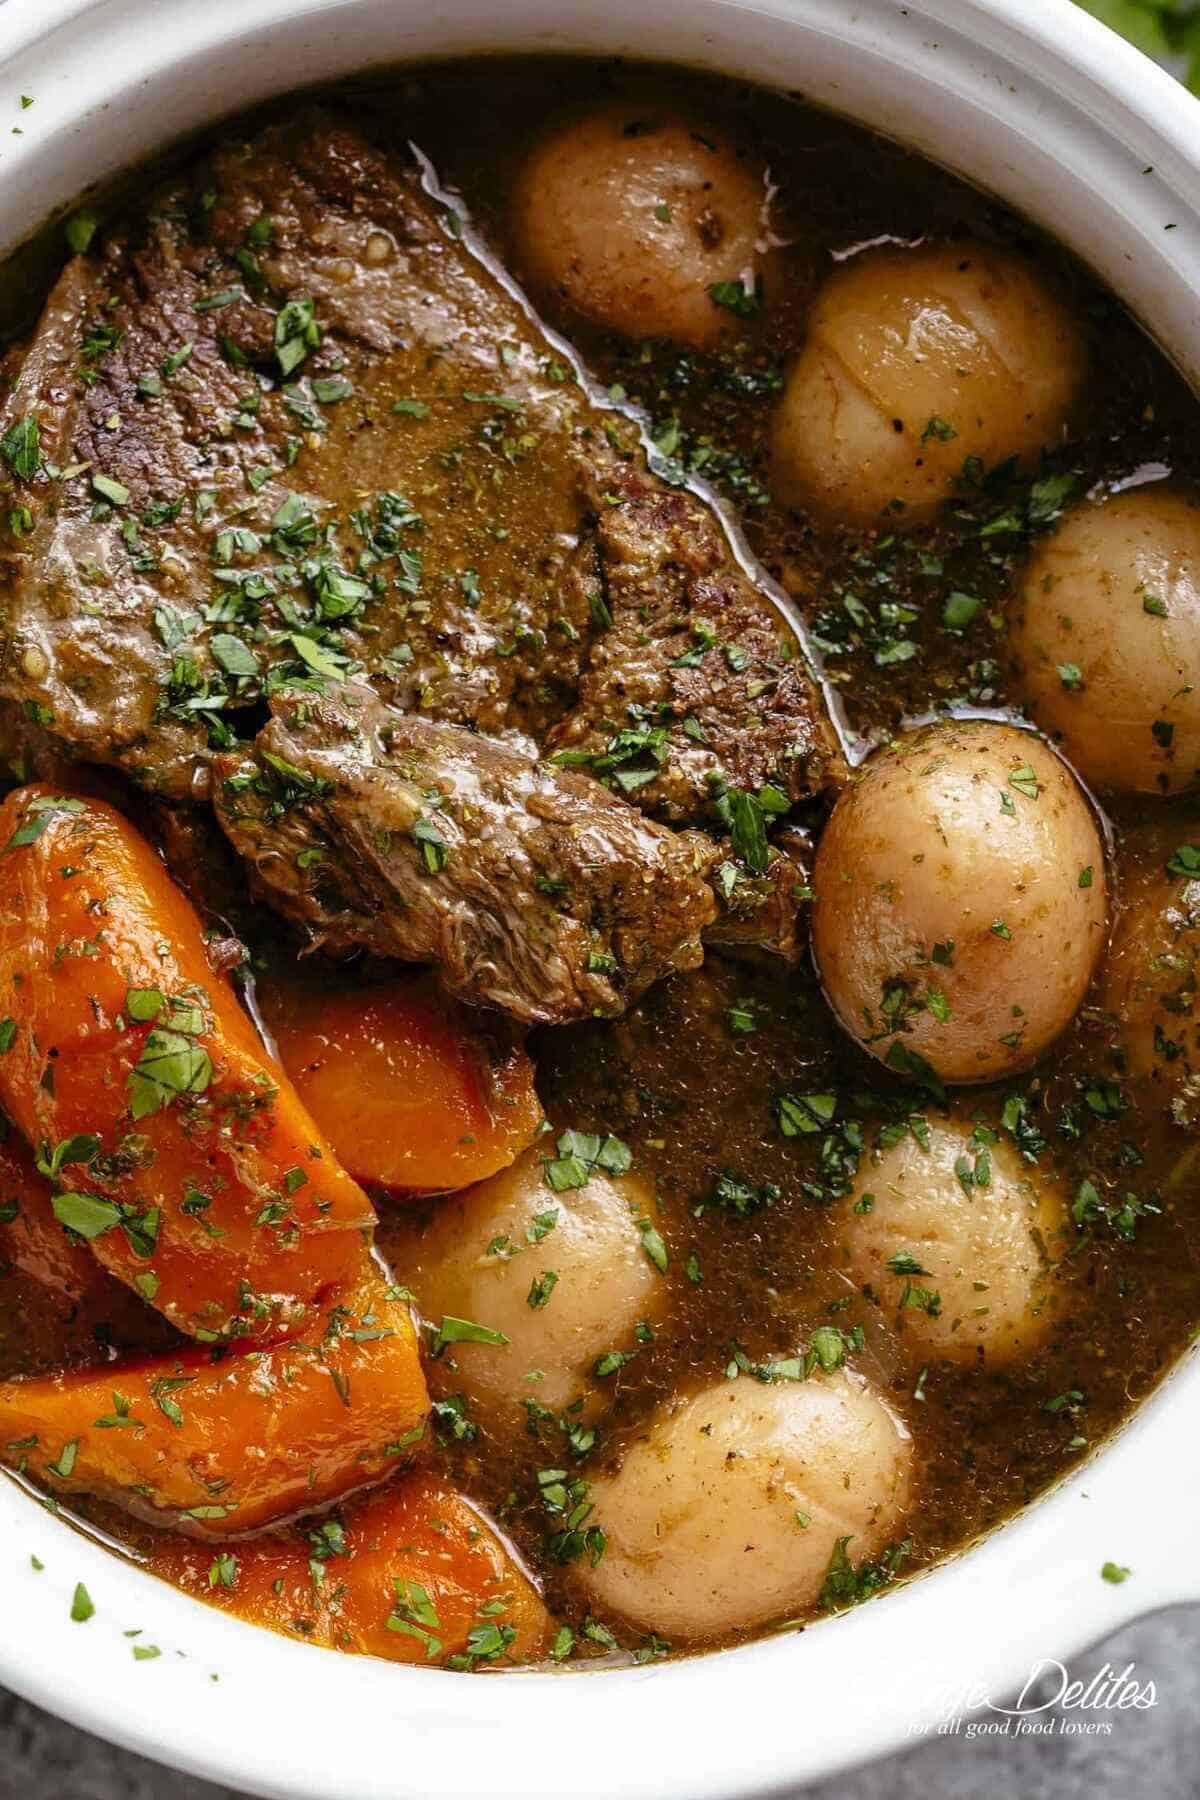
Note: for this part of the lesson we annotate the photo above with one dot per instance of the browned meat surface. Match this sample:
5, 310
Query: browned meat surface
289, 428
767, 912
695, 659
530, 887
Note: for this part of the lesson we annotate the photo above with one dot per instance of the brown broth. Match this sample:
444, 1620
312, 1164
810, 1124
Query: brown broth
987, 1440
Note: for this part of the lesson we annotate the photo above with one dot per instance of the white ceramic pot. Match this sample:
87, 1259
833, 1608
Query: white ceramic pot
1034, 101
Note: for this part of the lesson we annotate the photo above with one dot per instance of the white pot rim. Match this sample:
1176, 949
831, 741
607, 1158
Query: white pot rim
1036, 101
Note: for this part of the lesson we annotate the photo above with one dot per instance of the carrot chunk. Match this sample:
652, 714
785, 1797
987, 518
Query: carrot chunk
182, 1153
416, 1094
412, 1574
214, 1444
31, 1238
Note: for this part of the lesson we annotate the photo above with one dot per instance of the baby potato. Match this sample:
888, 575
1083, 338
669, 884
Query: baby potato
1152, 970
957, 1241
630, 219
915, 360
1105, 639
960, 901
725, 1512
563, 1276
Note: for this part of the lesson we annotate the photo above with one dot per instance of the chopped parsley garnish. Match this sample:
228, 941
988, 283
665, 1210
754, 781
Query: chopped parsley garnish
734, 1194
38, 814
653, 1245
580, 1155
415, 1615
21, 448
435, 851
805, 1114
1025, 781
746, 815
541, 1288
1185, 861
845, 1585
86, 1214
959, 611
79, 231
463, 1331
296, 333
567, 1502
737, 298
170, 1067
740, 1018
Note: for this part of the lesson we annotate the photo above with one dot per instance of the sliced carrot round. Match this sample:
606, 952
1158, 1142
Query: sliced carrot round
415, 1093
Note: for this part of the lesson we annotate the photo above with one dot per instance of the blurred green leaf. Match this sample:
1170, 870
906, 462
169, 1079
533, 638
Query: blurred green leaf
1143, 22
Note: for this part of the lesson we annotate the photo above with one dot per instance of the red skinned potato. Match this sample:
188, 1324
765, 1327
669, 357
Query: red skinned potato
183, 1154
416, 1094
214, 1446
413, 1574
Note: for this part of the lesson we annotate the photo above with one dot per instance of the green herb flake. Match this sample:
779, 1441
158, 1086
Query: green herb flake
143, 1005
86, 1214
1025, 781
541, 1288
737, 298
464, 1331
170, 1067
959, 611
110, 489
79, 231
21, 448
1185, 861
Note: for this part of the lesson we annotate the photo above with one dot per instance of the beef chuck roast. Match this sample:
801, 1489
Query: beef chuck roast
288, 431
698, 683
530, 887
288, 426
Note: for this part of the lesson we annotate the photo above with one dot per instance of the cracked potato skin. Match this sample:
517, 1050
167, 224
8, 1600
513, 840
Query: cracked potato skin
914, 361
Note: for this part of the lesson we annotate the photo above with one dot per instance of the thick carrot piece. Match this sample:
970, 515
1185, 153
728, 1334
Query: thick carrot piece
186, 1157
412, 1574
221, 1444
31, 1238
415, 1094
